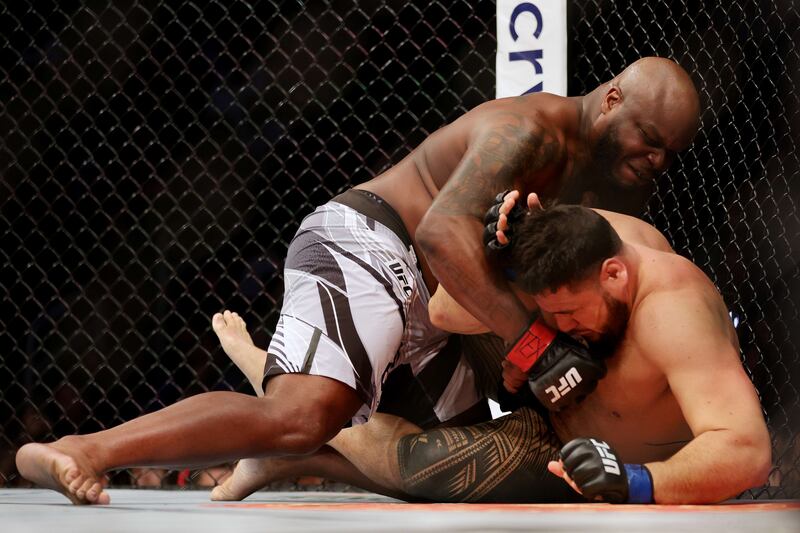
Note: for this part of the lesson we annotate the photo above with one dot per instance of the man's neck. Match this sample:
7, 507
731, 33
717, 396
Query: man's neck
632, 258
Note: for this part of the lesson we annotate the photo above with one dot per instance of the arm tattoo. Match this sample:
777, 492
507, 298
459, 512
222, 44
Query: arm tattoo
504, 460
508, 153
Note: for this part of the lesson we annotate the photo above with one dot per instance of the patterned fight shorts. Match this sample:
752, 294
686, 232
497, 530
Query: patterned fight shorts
355, 310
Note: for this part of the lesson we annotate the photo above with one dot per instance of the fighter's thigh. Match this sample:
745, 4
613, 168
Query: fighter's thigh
341, 318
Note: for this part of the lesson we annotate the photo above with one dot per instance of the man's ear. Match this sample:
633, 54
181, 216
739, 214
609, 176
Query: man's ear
611, 99
613, 274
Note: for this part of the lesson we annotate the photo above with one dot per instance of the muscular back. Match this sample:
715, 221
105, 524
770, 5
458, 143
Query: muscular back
536, 127
542, 125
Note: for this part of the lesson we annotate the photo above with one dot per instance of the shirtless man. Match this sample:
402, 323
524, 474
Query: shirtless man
327, 360
675, 399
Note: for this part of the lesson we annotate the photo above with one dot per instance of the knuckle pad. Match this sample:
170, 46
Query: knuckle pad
489, 236
570, 448
501, 196
492, 214
584, 476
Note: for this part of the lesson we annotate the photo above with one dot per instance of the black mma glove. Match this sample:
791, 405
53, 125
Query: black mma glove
561, 371
491, 218
511, 401
594, 467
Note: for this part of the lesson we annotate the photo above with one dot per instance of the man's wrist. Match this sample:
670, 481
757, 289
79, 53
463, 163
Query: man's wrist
531, 344
640, 484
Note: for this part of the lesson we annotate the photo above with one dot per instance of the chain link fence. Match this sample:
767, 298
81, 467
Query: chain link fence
157, 158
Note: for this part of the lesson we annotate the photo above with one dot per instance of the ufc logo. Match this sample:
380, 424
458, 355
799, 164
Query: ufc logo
566, 383
610, 463
399, 272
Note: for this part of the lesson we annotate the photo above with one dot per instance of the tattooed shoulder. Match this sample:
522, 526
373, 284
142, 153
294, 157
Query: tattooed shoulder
510, 149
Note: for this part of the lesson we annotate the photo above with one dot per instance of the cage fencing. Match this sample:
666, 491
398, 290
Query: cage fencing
157, 158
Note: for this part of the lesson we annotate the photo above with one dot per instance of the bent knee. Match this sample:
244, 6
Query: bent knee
307, 411
303, 431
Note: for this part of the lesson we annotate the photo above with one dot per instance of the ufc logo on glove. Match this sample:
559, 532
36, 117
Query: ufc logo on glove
610, 463
566, 383
558, 366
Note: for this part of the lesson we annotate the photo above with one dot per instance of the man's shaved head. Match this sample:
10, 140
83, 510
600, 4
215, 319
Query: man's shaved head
643, 117
664, 88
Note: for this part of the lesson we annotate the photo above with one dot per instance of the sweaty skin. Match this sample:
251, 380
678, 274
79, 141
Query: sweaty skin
602, 149
645, 423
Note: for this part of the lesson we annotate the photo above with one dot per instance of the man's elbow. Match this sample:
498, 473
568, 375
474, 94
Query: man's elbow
761, 460
754, 460
432, 235
439, 236
438, 316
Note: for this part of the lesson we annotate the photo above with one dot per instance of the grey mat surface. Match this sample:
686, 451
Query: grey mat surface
173, 511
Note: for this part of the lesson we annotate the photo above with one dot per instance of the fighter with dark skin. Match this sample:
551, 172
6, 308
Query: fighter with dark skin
589, 149
585, 150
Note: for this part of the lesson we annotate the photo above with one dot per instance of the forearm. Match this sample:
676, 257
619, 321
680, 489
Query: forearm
457, 259
715, 466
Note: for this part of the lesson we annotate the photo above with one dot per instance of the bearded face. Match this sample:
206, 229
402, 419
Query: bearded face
606, 155
613, 330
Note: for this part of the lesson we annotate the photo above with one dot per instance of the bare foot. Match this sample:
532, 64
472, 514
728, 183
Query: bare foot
232, 333
248, 476
48, 467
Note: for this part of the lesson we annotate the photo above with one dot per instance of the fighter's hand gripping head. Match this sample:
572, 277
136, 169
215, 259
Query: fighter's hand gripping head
491, 232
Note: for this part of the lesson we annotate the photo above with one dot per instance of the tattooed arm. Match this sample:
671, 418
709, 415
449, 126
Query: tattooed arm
505, 152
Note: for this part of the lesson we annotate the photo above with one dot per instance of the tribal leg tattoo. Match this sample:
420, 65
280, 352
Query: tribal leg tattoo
504, 460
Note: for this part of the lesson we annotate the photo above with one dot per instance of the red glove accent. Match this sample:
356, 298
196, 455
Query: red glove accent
531, 345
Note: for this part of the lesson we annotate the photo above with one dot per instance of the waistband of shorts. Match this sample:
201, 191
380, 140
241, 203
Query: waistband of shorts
370, 204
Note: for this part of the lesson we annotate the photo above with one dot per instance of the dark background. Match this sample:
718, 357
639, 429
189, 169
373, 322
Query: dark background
157, 158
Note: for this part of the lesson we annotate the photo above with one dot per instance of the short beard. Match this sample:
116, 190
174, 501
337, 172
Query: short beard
608, 189
605, 155
613, 329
